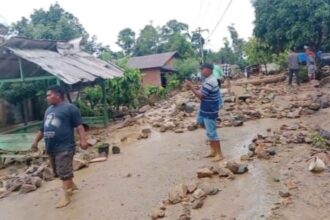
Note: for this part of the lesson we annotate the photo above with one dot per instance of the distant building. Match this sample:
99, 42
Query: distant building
154, 68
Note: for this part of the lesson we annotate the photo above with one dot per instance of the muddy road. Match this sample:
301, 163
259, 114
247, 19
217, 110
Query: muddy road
130, 185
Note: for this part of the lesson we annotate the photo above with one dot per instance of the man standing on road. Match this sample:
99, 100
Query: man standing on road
293, 63
209, 109
58, 131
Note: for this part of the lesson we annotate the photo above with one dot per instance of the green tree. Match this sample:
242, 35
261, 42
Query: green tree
147, 42
293, 23
186, 68
172, 28
54, 24
237, 46
257, 53
126, 40
226, 53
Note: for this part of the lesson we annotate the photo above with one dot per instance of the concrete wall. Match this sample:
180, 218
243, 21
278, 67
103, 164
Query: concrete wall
151, 77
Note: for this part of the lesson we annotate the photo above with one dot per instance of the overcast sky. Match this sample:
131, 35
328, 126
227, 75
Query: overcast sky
106, 18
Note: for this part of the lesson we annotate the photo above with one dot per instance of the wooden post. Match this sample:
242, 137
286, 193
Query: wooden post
105, 104
23, 104
21, 69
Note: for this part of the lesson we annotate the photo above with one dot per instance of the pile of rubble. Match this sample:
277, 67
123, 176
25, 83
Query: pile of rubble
26, 182
192, 195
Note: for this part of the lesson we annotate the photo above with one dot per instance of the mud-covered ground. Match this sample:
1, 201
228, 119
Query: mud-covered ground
131, 184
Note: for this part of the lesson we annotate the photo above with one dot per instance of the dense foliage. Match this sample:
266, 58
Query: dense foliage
293, 23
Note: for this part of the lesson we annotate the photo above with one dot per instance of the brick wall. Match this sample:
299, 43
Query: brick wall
151, 77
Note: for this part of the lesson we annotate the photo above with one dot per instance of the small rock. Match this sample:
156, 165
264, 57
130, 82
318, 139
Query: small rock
284, 194
238, 123
92, 141
252, 147
245, 157
179, 131
192, 127
308, 140
191, 187
163, 129
197, 204
206, 187
146, 131
199, 194
232, 166
223, 172
214, 192
47, 174
315, 106
157, 213
204, 172
37, 181
243, 168
271, 151
26, 188
177, 193
115, 150
143, 136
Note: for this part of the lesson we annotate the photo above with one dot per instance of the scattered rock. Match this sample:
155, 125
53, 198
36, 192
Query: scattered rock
197, 204
232, 166
146, 131
223, 172
191, 187
245, 157
238, 123
177, 193
199, 194
315, 106
243, 168
115, 150
206, 187
157, 213
308, 140
26, 188
284, 194
37, 181
204, 172
47, 174
271, 151
316, 165
214, 191
179, 131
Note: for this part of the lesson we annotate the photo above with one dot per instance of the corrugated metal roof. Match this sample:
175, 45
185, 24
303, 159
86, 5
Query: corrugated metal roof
150, 61
69, 65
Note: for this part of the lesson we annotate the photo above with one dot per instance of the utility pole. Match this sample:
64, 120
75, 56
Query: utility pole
199, 31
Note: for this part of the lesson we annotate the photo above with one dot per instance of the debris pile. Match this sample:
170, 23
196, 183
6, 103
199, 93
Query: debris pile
26, 182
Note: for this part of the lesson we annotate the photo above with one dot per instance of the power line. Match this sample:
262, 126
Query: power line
220, 20
201, 6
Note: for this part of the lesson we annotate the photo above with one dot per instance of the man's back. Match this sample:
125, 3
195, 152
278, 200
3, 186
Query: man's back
293, 61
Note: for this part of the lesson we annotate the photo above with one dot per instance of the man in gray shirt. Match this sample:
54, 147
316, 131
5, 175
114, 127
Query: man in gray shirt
57, 129
293, 62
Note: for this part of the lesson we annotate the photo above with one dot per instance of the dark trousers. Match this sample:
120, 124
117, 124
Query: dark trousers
296, 72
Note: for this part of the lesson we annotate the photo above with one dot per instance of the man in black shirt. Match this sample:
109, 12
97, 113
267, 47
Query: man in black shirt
60, 120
